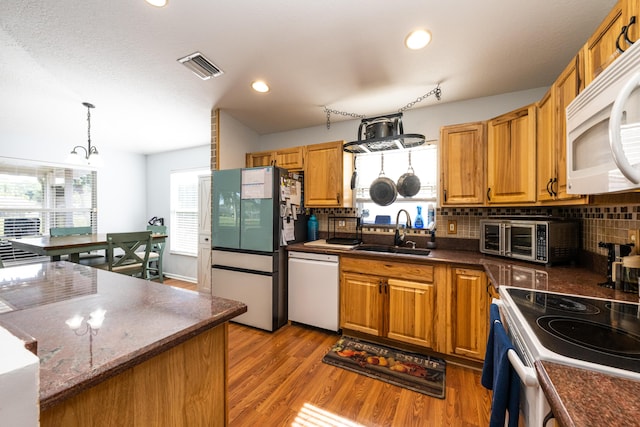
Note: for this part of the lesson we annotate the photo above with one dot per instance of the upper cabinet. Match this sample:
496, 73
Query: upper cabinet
288, 158
611, 38
547, 135
552, 134
511, 157
327, 176
264, 158
462, 164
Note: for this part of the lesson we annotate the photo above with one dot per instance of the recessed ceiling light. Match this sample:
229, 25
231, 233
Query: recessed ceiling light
260, 86
417, 39
158, 3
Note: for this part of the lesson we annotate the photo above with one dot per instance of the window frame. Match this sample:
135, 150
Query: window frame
184, 220
34, 207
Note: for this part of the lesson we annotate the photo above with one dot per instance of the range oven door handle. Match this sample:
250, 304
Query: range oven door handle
526, 374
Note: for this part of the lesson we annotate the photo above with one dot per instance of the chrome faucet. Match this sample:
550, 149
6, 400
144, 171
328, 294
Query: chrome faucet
399, 238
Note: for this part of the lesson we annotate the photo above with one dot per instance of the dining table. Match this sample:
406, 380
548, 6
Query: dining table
72, 246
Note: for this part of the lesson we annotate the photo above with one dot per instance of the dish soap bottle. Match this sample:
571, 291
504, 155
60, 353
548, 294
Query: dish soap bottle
419, 222
312, 228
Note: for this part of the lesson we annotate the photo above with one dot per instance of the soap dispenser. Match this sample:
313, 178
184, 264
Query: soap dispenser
419, 222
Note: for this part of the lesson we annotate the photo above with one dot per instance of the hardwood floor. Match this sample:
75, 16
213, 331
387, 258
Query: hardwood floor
278, 379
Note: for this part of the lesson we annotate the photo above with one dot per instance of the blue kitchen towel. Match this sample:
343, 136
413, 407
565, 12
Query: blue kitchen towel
498, 374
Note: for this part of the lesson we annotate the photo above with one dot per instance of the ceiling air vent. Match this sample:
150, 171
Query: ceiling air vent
201, 66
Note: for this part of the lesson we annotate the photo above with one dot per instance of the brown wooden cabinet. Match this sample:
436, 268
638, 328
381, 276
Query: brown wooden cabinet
546, 159
395, 300
511, 157
462, 164
468, 304
327, 176
552, 135
288, 158
600, 50
264, 158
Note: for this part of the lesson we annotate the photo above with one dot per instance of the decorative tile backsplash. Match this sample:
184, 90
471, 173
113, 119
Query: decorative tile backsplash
601, 223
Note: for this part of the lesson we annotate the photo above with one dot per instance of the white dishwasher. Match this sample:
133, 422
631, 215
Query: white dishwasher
314, 295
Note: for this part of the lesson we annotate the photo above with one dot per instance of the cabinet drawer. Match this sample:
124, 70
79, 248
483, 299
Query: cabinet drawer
406, 270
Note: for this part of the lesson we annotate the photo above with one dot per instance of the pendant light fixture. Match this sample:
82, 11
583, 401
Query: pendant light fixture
89, 155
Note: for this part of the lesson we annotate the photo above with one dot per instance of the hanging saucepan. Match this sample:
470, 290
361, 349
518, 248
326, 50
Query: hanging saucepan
383, 190
408, 183
381, 127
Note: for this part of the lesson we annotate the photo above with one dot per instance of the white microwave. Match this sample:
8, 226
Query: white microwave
603, 130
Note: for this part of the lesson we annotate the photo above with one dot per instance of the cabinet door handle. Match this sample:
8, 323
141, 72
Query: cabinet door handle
626, 31
618, 48
380, 286
548, 185
489, 194
554, 191
445, 194
338, 198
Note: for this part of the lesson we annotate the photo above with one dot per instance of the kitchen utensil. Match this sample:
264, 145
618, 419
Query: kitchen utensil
383, 190
408, 183
354, 175
630, 272
381, 128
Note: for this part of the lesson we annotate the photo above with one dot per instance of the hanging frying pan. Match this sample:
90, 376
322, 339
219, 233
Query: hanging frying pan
383, 190
408, 183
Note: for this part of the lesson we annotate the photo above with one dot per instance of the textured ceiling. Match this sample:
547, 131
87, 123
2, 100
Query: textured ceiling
348, 55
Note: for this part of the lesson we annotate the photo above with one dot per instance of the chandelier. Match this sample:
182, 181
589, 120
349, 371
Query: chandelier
88, 155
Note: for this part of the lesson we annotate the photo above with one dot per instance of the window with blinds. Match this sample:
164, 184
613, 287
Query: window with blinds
183, 232
35, 197
424, 160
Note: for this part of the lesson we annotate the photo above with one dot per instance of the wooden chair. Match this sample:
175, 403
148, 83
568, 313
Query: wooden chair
87, 258
122, 256
155, 255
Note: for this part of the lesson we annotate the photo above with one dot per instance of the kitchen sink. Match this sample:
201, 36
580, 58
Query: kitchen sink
392, 249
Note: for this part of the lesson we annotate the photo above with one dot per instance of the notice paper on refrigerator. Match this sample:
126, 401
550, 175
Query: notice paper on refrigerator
257, 183
288, 231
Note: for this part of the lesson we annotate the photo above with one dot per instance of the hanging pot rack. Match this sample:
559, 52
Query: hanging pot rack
383, 133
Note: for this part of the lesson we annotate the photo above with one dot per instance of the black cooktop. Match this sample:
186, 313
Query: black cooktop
593, 330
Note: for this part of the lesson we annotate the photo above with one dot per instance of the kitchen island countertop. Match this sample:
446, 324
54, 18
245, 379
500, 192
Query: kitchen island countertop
141, 320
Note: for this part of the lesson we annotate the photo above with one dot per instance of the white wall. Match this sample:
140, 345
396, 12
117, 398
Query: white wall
236, 140
426, 120
158, 167
121, 179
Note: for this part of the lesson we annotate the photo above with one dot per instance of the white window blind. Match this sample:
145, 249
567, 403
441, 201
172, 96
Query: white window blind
424, 160
35, 197
183, 232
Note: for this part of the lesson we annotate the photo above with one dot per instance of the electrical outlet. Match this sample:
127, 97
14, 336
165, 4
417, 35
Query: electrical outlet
452, 226
342, 223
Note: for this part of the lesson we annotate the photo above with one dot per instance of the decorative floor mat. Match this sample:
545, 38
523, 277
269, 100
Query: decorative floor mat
417, 372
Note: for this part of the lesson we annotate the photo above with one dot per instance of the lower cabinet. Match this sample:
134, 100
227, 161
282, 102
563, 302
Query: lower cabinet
468, 304
435, 306
394, 300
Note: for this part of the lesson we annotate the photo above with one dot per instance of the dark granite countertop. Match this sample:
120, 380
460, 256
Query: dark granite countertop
578, 397
583, 398
141, 319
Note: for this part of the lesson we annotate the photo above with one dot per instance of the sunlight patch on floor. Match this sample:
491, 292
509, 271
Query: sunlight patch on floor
312, 416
